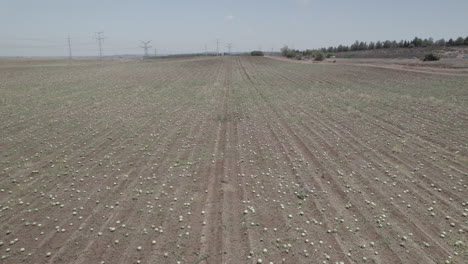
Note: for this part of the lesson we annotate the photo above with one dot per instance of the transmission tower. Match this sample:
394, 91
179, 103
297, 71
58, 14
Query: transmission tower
229, 46
100, 38
145, 47
69, 49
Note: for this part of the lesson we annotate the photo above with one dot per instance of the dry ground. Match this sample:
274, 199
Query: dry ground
231, 160
445, 66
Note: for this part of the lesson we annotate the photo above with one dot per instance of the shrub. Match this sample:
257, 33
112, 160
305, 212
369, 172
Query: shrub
290, 54
329, 55
431, 57
285, 50
319, 56
309, 52
257, 53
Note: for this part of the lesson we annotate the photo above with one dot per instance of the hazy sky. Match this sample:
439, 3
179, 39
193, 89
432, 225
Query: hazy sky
40, 27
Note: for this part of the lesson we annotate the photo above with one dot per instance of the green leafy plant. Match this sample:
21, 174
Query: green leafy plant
319, 56
431, 57
257, 53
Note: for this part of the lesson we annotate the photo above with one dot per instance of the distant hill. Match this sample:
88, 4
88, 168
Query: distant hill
444, 52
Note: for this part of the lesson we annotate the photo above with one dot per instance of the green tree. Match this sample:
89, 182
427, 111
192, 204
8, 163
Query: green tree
354, 46
378, 45
417, 42
387, 44
291, 53
371, 45
430, 42
287, 52
450, 42
440, 42
362, 46
459, 41
308, 52
466, 41
424, 43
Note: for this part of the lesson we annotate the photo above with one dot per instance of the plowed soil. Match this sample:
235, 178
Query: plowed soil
231, 160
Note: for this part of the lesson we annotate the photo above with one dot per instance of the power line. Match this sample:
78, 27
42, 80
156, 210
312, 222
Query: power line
145, 47
100, 38
229, 46
69, 49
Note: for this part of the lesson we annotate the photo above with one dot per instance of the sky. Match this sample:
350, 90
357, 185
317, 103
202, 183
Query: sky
41, 27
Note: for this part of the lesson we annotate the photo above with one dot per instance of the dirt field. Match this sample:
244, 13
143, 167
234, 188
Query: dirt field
444, 66
231, 160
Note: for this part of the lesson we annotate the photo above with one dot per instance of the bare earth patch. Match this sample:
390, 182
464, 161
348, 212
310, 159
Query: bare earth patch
232, 160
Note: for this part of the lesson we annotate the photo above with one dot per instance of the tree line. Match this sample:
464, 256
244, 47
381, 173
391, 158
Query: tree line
319, 54
388, 44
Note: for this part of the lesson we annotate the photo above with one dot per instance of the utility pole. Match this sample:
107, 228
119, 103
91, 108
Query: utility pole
155, 52
229, 46
206, 50
69, 48
217, 47
100, 38
145, 47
